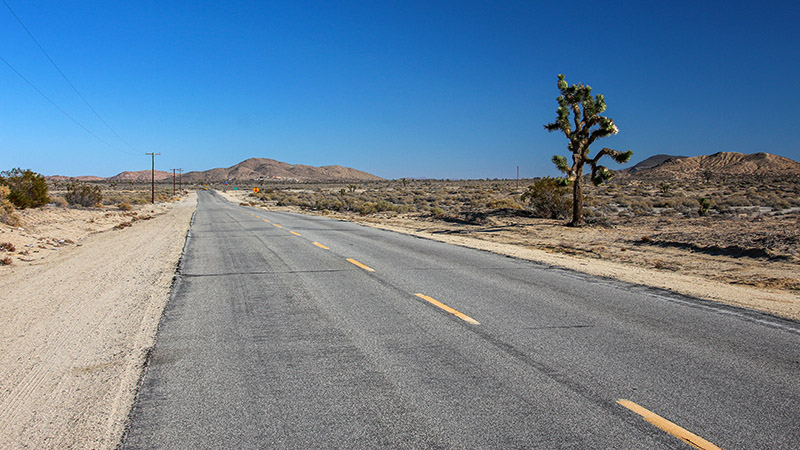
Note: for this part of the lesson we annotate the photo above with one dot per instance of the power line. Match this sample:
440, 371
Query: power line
65, 77
62, 110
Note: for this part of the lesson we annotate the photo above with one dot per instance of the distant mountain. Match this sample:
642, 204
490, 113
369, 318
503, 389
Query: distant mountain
141, 176
248, 170
651, 162
63, 178
270, 169
724, 163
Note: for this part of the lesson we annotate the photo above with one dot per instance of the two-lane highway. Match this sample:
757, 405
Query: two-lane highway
295, 331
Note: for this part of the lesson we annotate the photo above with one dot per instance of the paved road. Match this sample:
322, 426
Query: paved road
271, 340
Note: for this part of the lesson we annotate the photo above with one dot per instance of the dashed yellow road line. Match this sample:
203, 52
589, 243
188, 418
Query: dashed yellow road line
320, 245
295, 233
452, 311
671, 428
367, 268
266, 220
258, 217
276, 225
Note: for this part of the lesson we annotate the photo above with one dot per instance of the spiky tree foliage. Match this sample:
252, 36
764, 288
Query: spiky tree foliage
586, 126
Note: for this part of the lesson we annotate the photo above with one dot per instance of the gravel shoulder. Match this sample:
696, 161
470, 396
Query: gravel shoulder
76, 324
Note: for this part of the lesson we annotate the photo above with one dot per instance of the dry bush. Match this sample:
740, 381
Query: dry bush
437, 212
125, 206
7, 215
84, 194
7, 247
59, 201
503, 203
5, 261
548, 199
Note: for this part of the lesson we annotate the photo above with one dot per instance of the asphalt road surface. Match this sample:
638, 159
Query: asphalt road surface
294, 331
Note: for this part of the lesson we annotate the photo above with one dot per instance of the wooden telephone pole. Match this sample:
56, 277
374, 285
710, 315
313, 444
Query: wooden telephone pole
153, 178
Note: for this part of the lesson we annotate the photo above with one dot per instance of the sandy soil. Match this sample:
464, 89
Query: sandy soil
647, 251
79, 308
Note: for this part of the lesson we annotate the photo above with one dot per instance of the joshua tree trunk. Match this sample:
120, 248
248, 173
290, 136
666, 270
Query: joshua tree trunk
577, 200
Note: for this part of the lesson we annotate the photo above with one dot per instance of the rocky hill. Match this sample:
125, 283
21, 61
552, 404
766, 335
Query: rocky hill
651, 162
140, 176
270, 169
722, 163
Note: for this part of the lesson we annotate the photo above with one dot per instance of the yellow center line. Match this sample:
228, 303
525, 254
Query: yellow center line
295, 233
266, 220
279, 226
258, 217
671, 428
367, 268
320, 245
452, 311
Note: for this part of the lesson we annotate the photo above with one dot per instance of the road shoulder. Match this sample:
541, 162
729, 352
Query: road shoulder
75, 332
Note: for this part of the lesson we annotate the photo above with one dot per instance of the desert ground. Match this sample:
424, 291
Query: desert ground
80, 304
85, 288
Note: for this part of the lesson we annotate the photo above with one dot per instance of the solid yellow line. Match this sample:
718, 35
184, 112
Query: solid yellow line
279, 226
671, 428
460, 315
367, 268
295, 233
320, 245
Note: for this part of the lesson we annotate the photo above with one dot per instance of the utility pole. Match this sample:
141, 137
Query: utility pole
153, 178
180, 186
173, 182
517, 177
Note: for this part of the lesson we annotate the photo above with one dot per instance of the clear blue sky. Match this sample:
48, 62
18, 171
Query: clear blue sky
439, 89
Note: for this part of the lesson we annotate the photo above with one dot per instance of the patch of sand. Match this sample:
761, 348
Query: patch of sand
76, 322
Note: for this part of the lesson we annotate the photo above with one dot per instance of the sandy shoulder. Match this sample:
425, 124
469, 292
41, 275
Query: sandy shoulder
75, 331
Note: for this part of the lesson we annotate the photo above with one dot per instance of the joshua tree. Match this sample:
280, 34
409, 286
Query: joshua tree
573, 99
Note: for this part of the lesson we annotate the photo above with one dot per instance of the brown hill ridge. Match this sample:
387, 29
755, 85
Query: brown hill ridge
141, 176
66, 179
270, 169
724, 163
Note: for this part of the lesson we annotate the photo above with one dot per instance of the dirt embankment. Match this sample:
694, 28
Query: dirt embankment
78, 312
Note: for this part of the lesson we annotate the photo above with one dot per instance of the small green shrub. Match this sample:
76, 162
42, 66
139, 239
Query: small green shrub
705, 204
28, 189
84, 194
